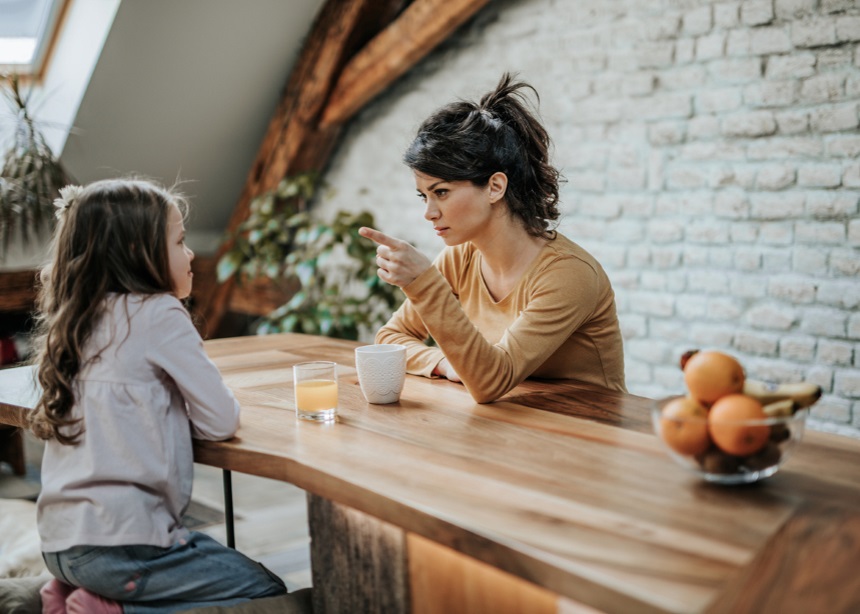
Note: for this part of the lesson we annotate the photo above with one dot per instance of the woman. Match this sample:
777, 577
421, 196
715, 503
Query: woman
509, 297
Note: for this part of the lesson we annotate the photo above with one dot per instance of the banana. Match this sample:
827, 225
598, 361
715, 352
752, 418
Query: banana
685, 357
780, 409
803, 394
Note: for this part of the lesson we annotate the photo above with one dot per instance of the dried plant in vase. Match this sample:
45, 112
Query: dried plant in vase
31, 177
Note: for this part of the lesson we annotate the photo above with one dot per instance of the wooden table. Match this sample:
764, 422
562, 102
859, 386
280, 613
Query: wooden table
557, 498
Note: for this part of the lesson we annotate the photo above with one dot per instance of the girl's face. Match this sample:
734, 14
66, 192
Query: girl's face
179, 255
459, 210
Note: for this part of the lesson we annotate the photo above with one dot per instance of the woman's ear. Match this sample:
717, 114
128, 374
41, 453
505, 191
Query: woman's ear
497, 185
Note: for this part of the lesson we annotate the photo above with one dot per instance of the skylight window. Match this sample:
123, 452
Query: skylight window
27, 29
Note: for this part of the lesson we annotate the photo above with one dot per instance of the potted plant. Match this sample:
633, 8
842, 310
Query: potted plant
331, 265
31, 176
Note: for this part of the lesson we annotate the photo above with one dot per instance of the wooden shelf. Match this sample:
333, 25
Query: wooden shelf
18, 290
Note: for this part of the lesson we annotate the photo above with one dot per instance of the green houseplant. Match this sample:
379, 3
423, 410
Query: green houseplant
334, 268
31, 175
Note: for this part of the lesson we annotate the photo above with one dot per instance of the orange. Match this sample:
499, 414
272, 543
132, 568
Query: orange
728, 422
711, 375
684, 426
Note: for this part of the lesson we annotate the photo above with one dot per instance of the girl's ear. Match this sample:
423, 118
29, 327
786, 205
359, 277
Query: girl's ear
497, 186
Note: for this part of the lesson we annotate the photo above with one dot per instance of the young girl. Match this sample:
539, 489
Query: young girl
508, 298
126, 385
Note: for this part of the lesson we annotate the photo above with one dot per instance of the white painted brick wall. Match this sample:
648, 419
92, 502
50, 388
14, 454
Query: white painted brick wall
711, 155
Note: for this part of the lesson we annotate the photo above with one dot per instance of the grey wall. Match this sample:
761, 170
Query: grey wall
711, 154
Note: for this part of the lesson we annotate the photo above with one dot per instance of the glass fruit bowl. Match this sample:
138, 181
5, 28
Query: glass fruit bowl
727, 451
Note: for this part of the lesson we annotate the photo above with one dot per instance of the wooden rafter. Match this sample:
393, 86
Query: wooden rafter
421, 27
333, 80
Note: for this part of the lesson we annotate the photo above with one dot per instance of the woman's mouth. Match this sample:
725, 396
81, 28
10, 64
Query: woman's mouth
440, 231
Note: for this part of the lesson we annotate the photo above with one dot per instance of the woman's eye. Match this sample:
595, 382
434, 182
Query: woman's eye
422, 196
441, 193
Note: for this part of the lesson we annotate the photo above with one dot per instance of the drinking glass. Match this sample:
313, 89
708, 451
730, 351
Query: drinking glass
316, 390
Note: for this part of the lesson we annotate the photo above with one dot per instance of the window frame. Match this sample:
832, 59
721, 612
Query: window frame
45, 45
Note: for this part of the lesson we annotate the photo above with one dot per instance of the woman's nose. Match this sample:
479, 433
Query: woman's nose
190, 254
431, 212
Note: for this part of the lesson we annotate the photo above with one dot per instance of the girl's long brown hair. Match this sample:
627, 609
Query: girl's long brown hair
111, 238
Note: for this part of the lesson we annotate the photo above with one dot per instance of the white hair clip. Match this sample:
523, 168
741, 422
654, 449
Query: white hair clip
69, 195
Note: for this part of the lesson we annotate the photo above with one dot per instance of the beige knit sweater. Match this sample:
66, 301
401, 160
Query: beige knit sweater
559, 322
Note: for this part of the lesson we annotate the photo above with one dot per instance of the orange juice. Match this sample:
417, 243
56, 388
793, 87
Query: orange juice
316, 395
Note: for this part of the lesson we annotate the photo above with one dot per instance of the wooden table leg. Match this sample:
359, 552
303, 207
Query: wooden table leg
228, 507
358, 562
362, 564
443, 580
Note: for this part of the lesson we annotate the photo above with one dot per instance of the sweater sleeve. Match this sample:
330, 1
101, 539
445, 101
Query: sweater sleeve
562, 296
178, 350
406, 328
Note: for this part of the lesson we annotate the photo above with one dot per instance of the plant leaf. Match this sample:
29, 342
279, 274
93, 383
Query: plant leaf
228, 265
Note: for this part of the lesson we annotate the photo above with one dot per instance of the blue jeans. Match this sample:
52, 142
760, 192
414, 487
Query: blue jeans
147, 579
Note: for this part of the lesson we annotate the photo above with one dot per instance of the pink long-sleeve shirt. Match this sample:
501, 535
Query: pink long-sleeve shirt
129, 479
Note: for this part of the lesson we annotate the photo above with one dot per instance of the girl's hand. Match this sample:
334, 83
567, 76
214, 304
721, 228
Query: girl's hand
444, 369
399, 263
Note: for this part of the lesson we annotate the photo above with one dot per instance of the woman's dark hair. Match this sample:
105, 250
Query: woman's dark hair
469, 141
111, 237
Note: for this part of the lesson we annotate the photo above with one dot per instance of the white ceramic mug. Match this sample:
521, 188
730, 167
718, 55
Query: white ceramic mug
381, 371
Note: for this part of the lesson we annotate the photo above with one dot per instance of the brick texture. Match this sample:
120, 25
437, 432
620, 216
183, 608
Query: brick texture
710, 150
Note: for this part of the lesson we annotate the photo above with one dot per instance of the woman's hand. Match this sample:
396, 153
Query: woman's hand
399, 263
444, 369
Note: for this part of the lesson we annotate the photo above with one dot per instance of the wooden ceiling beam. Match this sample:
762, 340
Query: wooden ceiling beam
417, 31
304, 96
